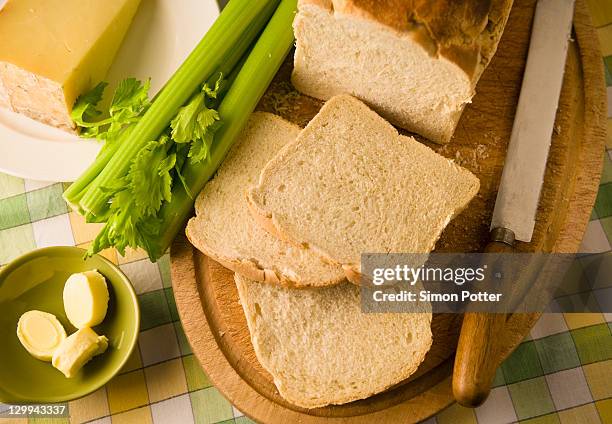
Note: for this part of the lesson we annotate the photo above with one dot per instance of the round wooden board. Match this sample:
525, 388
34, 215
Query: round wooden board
207, 299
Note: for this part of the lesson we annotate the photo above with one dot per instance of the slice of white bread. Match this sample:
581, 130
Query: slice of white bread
350, 184
224, 230
416, 62
321, 349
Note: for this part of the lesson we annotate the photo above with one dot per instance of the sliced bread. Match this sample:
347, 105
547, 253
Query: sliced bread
224, 230
350, 184
416, 62
321, 349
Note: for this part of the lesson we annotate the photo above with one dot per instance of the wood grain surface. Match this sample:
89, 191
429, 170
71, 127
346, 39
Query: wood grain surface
478, 351
207, 299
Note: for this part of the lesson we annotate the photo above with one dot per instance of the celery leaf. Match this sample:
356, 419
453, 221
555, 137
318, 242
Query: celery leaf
214, 92
136, 198
197, 122
132, 96
85, 107
127, 227
185, 127
130, 101
149, 177
200, 148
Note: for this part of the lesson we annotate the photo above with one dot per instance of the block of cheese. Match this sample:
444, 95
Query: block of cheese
416, 62
53, 50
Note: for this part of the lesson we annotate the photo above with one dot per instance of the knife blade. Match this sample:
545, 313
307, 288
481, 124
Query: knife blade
523, 174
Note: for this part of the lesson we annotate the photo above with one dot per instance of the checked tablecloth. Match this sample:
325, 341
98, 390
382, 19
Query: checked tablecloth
562, 373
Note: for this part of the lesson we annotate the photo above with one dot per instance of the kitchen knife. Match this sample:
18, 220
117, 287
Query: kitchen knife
521, 182
518, 195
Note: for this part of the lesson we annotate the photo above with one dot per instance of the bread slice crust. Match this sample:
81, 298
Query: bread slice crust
224, 230
321, 349
434, 189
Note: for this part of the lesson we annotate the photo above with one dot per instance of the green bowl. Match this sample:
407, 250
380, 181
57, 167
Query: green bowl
36, 281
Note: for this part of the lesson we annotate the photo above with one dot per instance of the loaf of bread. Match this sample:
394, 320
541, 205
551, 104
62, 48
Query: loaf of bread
350, 184
416, 62
224, 230
321, 349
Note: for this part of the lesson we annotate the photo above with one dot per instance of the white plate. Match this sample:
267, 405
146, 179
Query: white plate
162, 35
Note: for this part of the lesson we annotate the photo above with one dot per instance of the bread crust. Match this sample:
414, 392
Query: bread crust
352, 269
268, 223
291, 396
34, 96
251, 269
465, 32
309, 271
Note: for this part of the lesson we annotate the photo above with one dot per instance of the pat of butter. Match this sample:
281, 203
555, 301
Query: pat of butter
40, 333
86, 299
77, 349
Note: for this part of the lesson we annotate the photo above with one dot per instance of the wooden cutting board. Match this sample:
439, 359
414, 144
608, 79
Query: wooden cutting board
207, 299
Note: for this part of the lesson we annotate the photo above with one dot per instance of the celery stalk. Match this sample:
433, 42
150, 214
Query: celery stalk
77, 189
73, 194
250, 84
211, 54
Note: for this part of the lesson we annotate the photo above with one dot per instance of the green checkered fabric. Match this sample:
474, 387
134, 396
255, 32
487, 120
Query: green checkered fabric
562, 373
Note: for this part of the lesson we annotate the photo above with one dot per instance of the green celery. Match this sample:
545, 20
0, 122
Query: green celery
129, 102
251, 82
218, 45
74, 193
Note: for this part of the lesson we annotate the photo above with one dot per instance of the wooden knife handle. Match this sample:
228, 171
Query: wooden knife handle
477, 356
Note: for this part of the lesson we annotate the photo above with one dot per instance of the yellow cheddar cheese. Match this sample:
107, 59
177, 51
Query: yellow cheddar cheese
86, 299
53, 50
40, 333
